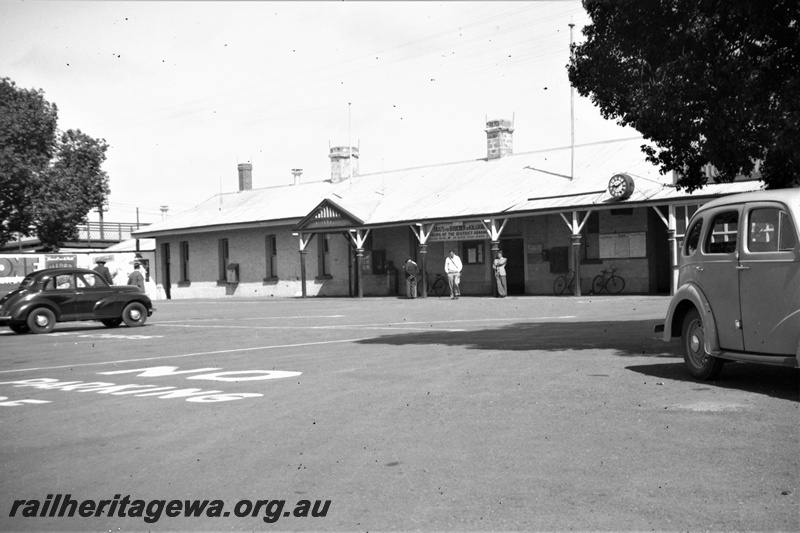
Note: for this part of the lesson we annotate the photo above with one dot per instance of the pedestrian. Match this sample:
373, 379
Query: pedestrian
135, 278
500, 274
411, 278
452, 265
103, 270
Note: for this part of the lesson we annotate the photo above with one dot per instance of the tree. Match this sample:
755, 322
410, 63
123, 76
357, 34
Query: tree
49, 180
707, 81
27, 130
74, 174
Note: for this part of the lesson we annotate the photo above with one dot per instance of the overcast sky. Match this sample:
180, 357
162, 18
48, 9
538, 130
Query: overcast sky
184, 91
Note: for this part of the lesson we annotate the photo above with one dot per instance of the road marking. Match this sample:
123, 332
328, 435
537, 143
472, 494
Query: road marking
250, 318
215, 352
383, 325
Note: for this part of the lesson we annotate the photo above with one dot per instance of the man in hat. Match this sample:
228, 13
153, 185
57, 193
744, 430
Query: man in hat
411, 270
103, 270
136, 279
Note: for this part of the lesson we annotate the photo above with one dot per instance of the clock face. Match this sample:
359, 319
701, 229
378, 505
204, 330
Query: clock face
620, 186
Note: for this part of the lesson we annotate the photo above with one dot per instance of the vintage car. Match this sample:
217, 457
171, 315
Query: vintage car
55, 295
738, 290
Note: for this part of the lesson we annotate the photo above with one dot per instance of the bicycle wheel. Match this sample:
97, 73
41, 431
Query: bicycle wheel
439, 287
598, 284
615, 284
559, 285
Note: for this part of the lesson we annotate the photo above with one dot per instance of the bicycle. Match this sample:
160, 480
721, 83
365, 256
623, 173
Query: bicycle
437, 284
563, 283
608, 281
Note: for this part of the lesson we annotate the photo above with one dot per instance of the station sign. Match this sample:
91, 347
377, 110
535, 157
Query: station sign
458, 231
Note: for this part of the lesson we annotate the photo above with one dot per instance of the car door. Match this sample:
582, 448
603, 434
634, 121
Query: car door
90, 288
718, 276
770, 280
59, 290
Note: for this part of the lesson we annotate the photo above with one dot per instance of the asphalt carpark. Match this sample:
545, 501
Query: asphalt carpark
524, 413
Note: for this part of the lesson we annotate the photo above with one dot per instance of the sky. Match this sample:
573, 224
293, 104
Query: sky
183, 92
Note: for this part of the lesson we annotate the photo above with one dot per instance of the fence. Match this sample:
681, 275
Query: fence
106, 231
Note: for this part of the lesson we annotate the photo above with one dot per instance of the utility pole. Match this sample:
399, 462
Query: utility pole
571, 115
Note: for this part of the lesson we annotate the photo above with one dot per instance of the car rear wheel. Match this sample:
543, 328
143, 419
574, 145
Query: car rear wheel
134, 315
19, 328
700, 364
41, 320
112, 322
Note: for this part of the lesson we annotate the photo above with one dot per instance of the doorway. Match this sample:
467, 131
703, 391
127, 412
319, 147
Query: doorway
165, 268
514, 251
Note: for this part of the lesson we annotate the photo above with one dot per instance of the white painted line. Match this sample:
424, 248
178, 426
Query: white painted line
216, 352
249, 318
379, 325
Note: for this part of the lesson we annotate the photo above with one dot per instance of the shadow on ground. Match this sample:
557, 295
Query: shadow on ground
775, 381
622, 338
627, 338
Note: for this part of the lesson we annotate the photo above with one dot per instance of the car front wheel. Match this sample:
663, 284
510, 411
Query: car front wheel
700, 364
134, 315
41, 320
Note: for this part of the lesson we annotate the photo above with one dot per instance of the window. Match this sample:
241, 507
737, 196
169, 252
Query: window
472, 252
184, 253
62, 281
770, 230
787, 239
723, 235
271, 244
693, 238
224, 259
90, 280
324, 254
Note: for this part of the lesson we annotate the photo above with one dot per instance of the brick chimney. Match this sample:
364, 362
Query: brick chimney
297, 172
245, 176
499, 138
341, 162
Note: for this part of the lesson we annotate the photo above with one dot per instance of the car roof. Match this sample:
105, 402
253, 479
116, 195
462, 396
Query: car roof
790, 197
55, 271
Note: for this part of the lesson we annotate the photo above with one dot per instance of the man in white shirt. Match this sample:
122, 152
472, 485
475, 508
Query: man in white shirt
452, 265
500, 274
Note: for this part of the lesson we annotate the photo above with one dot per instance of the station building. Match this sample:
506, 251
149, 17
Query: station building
574, 211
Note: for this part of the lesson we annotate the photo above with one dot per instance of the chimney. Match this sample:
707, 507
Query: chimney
297, 172
245, 176
499, 138
341, 162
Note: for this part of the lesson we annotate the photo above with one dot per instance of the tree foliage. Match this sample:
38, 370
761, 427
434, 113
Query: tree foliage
49, 180
707, 81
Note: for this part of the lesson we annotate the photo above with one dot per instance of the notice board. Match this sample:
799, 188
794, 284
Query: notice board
623, 245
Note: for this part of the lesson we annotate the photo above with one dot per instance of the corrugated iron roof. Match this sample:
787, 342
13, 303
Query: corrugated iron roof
286, 202
515, 184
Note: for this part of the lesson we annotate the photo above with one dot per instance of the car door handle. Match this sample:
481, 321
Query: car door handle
742, 267
699, 268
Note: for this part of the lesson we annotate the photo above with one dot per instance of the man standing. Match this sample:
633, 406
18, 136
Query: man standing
500, 274
103, 270
452, 265
411, 278
136, 279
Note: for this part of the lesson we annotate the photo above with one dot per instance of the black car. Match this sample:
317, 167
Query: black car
55, 295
